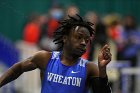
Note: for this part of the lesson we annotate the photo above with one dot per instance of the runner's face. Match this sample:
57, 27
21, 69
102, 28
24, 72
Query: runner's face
77, 41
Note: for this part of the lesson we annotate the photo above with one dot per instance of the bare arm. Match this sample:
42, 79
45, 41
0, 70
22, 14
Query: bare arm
97, 74
39, 60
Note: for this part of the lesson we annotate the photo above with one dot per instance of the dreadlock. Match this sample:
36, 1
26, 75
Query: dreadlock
66, 26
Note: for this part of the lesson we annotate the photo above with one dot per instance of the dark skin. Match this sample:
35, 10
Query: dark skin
74, 46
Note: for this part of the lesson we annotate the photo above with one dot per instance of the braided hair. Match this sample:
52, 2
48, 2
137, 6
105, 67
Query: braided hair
66, 26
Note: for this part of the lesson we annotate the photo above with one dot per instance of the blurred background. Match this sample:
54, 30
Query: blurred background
28, 26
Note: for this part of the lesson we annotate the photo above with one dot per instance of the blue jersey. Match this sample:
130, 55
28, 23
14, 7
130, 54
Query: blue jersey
59, 78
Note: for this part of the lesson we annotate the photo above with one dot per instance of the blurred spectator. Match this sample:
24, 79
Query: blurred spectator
114, 27
131, 41
31, 30
56, 13
132, 44
114, 32
72, 10
126, 38
100, 31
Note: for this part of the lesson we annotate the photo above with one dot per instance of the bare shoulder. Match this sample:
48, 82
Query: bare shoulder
92, 69
41, 58
42, 54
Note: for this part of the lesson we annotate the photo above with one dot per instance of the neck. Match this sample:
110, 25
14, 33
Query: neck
68, 59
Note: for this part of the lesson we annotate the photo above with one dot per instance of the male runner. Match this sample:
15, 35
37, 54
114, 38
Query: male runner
65, 71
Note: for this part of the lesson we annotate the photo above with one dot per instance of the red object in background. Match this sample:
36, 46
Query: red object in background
31, 33
86, 54
114, 33
52, 26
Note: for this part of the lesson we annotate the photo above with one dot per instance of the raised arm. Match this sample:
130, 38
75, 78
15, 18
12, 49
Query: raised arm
39, 60
97, 74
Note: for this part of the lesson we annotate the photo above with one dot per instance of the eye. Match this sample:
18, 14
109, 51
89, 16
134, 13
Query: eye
87, 40
79, 37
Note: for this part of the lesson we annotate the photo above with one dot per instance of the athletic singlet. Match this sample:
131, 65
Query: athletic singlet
59, 78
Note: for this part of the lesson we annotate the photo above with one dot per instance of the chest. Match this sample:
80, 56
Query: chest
65, 75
